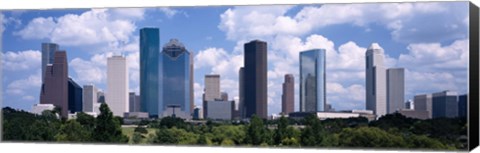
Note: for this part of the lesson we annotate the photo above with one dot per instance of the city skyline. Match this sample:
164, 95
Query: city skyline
217, 51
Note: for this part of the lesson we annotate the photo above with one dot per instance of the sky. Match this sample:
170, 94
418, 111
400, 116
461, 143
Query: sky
428, 39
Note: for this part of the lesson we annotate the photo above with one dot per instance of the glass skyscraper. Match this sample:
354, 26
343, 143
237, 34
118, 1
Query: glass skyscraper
149, 61
48, 52
75, 98
175, 76
312, 80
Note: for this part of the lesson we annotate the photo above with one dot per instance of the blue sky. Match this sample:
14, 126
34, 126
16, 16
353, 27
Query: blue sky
430, 40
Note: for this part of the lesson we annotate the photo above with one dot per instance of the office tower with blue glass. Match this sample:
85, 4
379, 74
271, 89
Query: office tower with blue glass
175, 76
445, 104
75, 98
149, 62
255, 79
462, 105
376, 94
48, 53
312, 80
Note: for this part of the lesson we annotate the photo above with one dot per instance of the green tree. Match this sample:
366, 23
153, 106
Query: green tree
108, 129
281, 131
369, 137
136, 138
72, 131
424, 142
313, 133
87, 121
256, 131
175, 136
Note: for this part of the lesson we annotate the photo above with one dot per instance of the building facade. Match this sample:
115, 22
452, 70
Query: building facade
462, 105
220, 110
255, 79
409, 105
288, 94
89, 98
149, 67
75, 97
175, 76
241, 95
312, 80
376, 94
395, 89
55, 86
48, 56
423, 103
117, 85
445, 104
134, 101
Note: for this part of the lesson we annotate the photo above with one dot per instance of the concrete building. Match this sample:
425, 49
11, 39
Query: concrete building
288, 94
134, 101
445, 104
212, 87
117, 85
149, 70
101, 97
175, 77
376, 94
326, 115
220, 110
89, 97
313, 80
423, 103
395, 89
39, 108
75, 97
55, 85
48, 56
418, 114
255, 79
462, 105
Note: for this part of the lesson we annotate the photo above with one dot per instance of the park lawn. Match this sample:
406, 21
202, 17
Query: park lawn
128, 131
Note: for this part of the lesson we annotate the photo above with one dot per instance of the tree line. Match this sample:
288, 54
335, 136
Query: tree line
392, 131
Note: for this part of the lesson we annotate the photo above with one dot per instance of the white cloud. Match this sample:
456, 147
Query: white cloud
102, 27
209, 57
21, 60
169, 12
19, 87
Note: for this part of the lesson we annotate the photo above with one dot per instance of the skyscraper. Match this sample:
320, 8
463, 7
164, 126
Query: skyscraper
241, 95
288, 94
423, 103
312, 80
255, 79
117, 85
149, 64
376, 94
212, 87
89, 98
55, 86
134, 101
74, 96
395, 89
175, 79
48, 54
445, 104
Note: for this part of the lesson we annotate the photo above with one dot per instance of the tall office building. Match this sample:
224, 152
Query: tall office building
423, 103
55, 86
48, 54
241, 95
395, 89
288, 94
255, 79
134, 101
175, 79
90, 98
149, 64
445, 104
101, 97
192, 95
212, 87
462, 105
376, 94
74, 97
312, 80
117, 85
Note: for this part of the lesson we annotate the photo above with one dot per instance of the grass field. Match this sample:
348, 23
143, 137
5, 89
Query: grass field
128, 131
